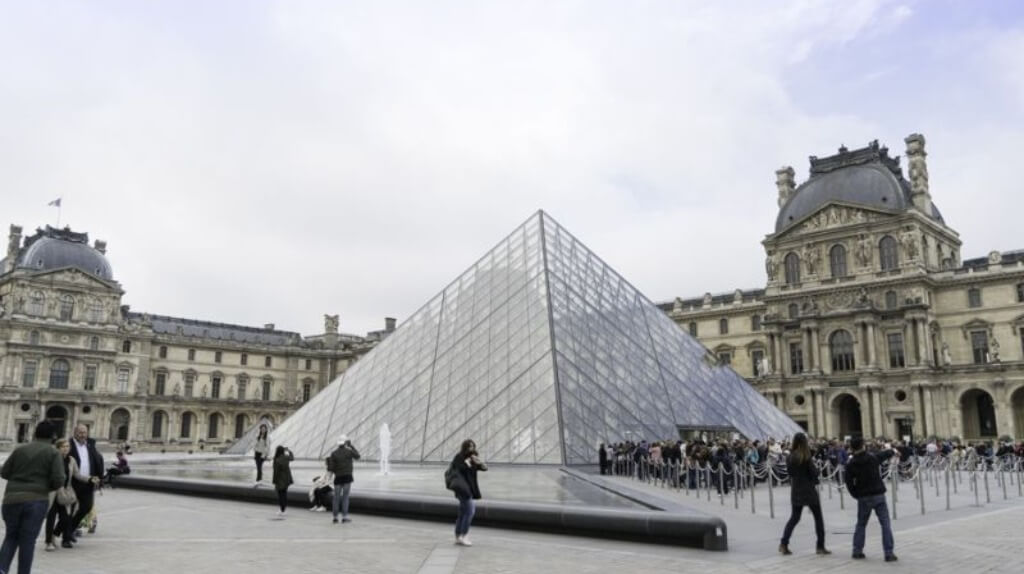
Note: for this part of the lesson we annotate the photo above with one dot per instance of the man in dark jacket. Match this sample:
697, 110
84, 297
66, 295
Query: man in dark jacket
90, 463
340, 463
31, 472
864, 482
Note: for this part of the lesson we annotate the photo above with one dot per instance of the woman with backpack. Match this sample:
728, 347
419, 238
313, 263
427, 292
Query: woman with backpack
460, 478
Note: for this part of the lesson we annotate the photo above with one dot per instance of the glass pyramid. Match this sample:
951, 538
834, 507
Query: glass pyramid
538, 352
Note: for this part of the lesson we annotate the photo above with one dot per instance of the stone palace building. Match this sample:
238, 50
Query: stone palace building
870, 323
71, 352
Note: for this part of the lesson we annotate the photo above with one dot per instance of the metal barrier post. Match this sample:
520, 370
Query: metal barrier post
947, 488
707, 480
721, 486
893, 471
935, 479
1002, 479
920, 488
841, 487
736, 487
753, 478
988, 497
771, 494
974, 483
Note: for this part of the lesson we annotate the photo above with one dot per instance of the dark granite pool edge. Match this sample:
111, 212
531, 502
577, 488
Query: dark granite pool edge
669, 528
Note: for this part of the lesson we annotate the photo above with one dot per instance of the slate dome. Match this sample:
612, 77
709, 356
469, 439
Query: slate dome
59, 248
867, 177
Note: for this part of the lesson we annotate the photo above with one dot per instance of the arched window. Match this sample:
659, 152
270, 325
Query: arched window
891, 302
67, 307
792, 264
186, 424
59, 371
95, 311
887, 254
794, 310
841, 343
213, 430
723, 326
158, 424
837, 260
36, 303
33, 338
124, 375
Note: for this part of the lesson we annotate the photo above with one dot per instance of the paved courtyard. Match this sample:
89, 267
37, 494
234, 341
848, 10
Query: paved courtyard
151, 532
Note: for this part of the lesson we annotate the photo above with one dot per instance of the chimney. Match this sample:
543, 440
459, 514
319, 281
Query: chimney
101, 246
918, 172
268, 326
389, 324
13, 246
786, 183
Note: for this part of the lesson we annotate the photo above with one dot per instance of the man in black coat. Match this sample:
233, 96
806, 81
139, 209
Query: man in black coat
90, 463
864, 482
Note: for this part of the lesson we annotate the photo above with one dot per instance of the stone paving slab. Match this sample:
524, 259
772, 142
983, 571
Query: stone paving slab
147, 532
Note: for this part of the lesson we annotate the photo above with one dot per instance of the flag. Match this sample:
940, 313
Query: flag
55, 203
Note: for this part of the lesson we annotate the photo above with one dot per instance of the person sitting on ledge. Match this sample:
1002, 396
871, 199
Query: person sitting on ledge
120, 467
321, 495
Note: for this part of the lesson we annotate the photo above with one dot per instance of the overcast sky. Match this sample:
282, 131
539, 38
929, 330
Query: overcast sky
254, 162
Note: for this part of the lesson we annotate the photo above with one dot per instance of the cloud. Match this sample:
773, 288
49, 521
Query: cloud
273, 162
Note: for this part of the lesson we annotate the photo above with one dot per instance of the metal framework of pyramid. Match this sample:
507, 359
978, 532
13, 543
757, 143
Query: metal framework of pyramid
538, 352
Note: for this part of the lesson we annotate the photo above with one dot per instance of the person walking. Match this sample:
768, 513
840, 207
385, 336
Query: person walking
60, 511
282, 477
340, 463
90, 463
31, 472
261, 451
864, 482
602, 458
463, 483
803, 479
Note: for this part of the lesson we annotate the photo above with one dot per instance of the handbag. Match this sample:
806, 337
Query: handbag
66, 496
455, 482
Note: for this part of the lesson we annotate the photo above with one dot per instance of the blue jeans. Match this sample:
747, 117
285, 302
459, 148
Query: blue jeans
23, 521
341, 494
864, 507
466, 510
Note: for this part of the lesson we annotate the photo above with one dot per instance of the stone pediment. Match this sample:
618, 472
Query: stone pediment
836, 215
73, 276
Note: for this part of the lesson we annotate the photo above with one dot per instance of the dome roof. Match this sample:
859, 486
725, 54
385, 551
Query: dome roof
867, 177
55, 249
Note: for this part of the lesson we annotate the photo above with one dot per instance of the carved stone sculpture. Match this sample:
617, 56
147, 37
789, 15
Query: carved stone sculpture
205, 391
909, 240
812, 258
707, 299
766, 366
771, 265
947, 358
786, 184
177, 389
864, 251
331, 324
916, 163
993, 349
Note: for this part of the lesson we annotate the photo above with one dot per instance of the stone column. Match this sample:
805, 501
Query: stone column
858, 341
805, 343
921, 345
826, 362
919, 430
872, 361
820, 397
929, 412
865, 411
812, 420
816, 349
876, 396
776, 342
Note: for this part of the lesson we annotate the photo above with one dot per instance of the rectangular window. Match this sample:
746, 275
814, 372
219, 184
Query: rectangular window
1020, 293
161, 384
96, 312
244, 359
190, 384
191, 354
28, 374
90, 378
67, 307
307, 390
267, 361
979, 344
693, 328
725, 358
974, 297
896, 357
215, 388
217, 356
123, 379
309, 364
126, 347
757, 357
755, 323
796, 358
242, 383
163, 351
266, 390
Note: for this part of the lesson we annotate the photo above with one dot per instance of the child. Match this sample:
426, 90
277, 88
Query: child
321, 494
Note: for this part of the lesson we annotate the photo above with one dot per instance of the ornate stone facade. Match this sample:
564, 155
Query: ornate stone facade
70, 351
869, 322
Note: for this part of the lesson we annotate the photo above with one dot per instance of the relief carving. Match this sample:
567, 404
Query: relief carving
864, 251
909, 239
812, 258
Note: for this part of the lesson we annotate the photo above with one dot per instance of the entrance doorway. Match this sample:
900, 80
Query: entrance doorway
120, 422
848, 408
978, 412
58, 415
1017, 402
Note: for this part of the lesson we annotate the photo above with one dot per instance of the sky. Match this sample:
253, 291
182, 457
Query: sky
257, 162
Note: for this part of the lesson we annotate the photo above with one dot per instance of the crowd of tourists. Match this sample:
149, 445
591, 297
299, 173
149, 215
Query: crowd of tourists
51, 482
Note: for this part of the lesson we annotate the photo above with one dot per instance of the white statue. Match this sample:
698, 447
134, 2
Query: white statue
385, 449
947, 358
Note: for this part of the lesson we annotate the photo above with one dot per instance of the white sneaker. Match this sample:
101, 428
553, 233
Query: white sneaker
321, 509
466, 542
458, 541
